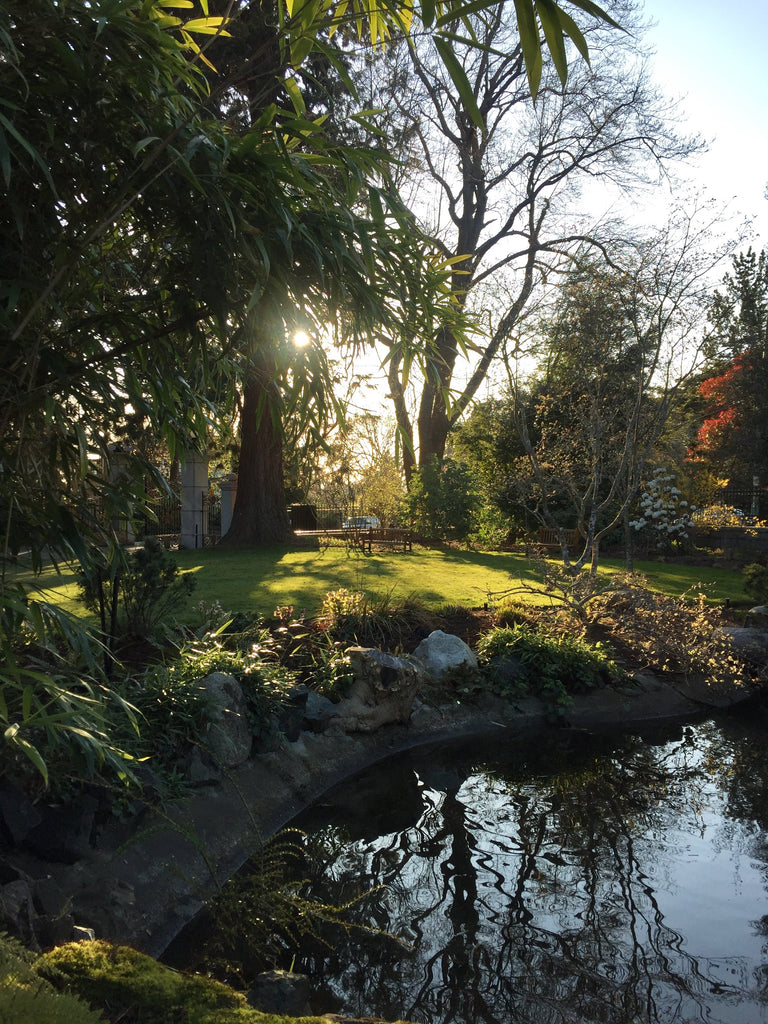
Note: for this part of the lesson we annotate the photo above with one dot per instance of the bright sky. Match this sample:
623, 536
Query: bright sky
713, 54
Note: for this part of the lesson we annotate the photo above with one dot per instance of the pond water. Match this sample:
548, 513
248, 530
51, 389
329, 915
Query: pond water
574, 878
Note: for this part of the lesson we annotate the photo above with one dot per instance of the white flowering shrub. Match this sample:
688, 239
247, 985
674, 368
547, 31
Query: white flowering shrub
663, 512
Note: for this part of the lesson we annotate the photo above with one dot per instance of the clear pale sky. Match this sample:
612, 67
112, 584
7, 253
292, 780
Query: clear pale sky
714, 55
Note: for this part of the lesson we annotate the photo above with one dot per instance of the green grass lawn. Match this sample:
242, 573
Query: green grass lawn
260, 579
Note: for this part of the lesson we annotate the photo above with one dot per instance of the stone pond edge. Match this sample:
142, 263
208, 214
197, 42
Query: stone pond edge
143, 892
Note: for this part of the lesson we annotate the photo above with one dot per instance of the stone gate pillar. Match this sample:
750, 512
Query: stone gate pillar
194, 485
228, 493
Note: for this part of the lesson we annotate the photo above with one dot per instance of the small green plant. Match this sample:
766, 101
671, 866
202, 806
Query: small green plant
261, 916
212, 616
756, 582
28, 998
552, 666
149, 587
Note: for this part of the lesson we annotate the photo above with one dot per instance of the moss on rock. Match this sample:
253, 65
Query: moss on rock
27, 998
135, 989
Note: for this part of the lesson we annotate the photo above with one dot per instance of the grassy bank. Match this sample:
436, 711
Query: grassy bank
261, 579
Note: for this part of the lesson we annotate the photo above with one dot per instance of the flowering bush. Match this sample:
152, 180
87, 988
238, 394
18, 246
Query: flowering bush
664, 512
718, 517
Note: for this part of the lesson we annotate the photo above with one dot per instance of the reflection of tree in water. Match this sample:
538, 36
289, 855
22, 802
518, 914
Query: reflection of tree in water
526, 894
737, 759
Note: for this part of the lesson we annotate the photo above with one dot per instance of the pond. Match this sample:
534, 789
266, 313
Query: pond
572, 878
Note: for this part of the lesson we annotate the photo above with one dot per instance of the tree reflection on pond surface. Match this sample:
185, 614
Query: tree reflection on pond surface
578, 878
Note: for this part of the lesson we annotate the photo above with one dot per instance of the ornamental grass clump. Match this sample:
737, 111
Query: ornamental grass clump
356, 618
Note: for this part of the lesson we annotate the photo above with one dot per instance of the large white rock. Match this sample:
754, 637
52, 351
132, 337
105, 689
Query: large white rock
442, 653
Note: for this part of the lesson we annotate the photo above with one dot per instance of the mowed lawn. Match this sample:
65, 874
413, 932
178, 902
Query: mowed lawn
258, 580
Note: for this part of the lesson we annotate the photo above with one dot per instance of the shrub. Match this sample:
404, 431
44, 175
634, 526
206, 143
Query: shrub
664, 513
679, 635
552, 666
719, 517
441, 501
150, 588
756, 583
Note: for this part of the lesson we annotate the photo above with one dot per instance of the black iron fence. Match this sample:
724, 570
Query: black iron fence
753, 501
163, 519
322, 517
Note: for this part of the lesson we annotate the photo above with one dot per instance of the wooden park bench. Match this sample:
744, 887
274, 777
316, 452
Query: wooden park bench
380, 536
386, 537
547, 538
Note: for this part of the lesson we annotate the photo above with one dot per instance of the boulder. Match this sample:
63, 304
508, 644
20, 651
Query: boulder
318, 713
382, 691
749, 643
757, 617
228, 737
18, 815
281, 992
200, 769
291, 718
442, 653
64, 831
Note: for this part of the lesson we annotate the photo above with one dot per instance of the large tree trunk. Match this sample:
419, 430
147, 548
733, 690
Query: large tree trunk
259, 516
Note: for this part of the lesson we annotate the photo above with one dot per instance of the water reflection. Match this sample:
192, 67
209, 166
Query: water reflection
585, 880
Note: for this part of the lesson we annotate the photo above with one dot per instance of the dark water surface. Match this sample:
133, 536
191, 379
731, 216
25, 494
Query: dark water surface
575, 878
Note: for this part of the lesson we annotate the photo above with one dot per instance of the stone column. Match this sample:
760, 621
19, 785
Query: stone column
194, 484
228, 494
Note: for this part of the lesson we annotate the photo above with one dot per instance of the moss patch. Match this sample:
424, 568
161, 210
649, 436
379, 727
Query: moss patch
135, 989
27, 998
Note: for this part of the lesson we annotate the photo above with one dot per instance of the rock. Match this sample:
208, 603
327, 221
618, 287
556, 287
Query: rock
291, 718
441, 653
64, 831
228, 737
281, 992
318, 713
49, 897
17, 911
749, 643
757, 617
18, 815
382, 691
107, 912
200, 770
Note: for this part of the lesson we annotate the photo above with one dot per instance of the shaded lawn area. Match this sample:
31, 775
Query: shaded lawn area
258, 580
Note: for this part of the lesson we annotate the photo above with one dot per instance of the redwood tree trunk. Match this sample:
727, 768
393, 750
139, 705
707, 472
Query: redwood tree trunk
259, 516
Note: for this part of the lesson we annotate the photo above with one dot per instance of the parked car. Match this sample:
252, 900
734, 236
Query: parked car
361, 523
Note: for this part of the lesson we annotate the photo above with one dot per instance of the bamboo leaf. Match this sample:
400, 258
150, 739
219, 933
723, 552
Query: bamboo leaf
529, 40
12, 737
460, 80
549, 15
292, 88
207, 27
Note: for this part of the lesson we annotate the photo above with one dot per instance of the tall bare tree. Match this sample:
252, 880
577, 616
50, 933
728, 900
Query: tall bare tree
503, 195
